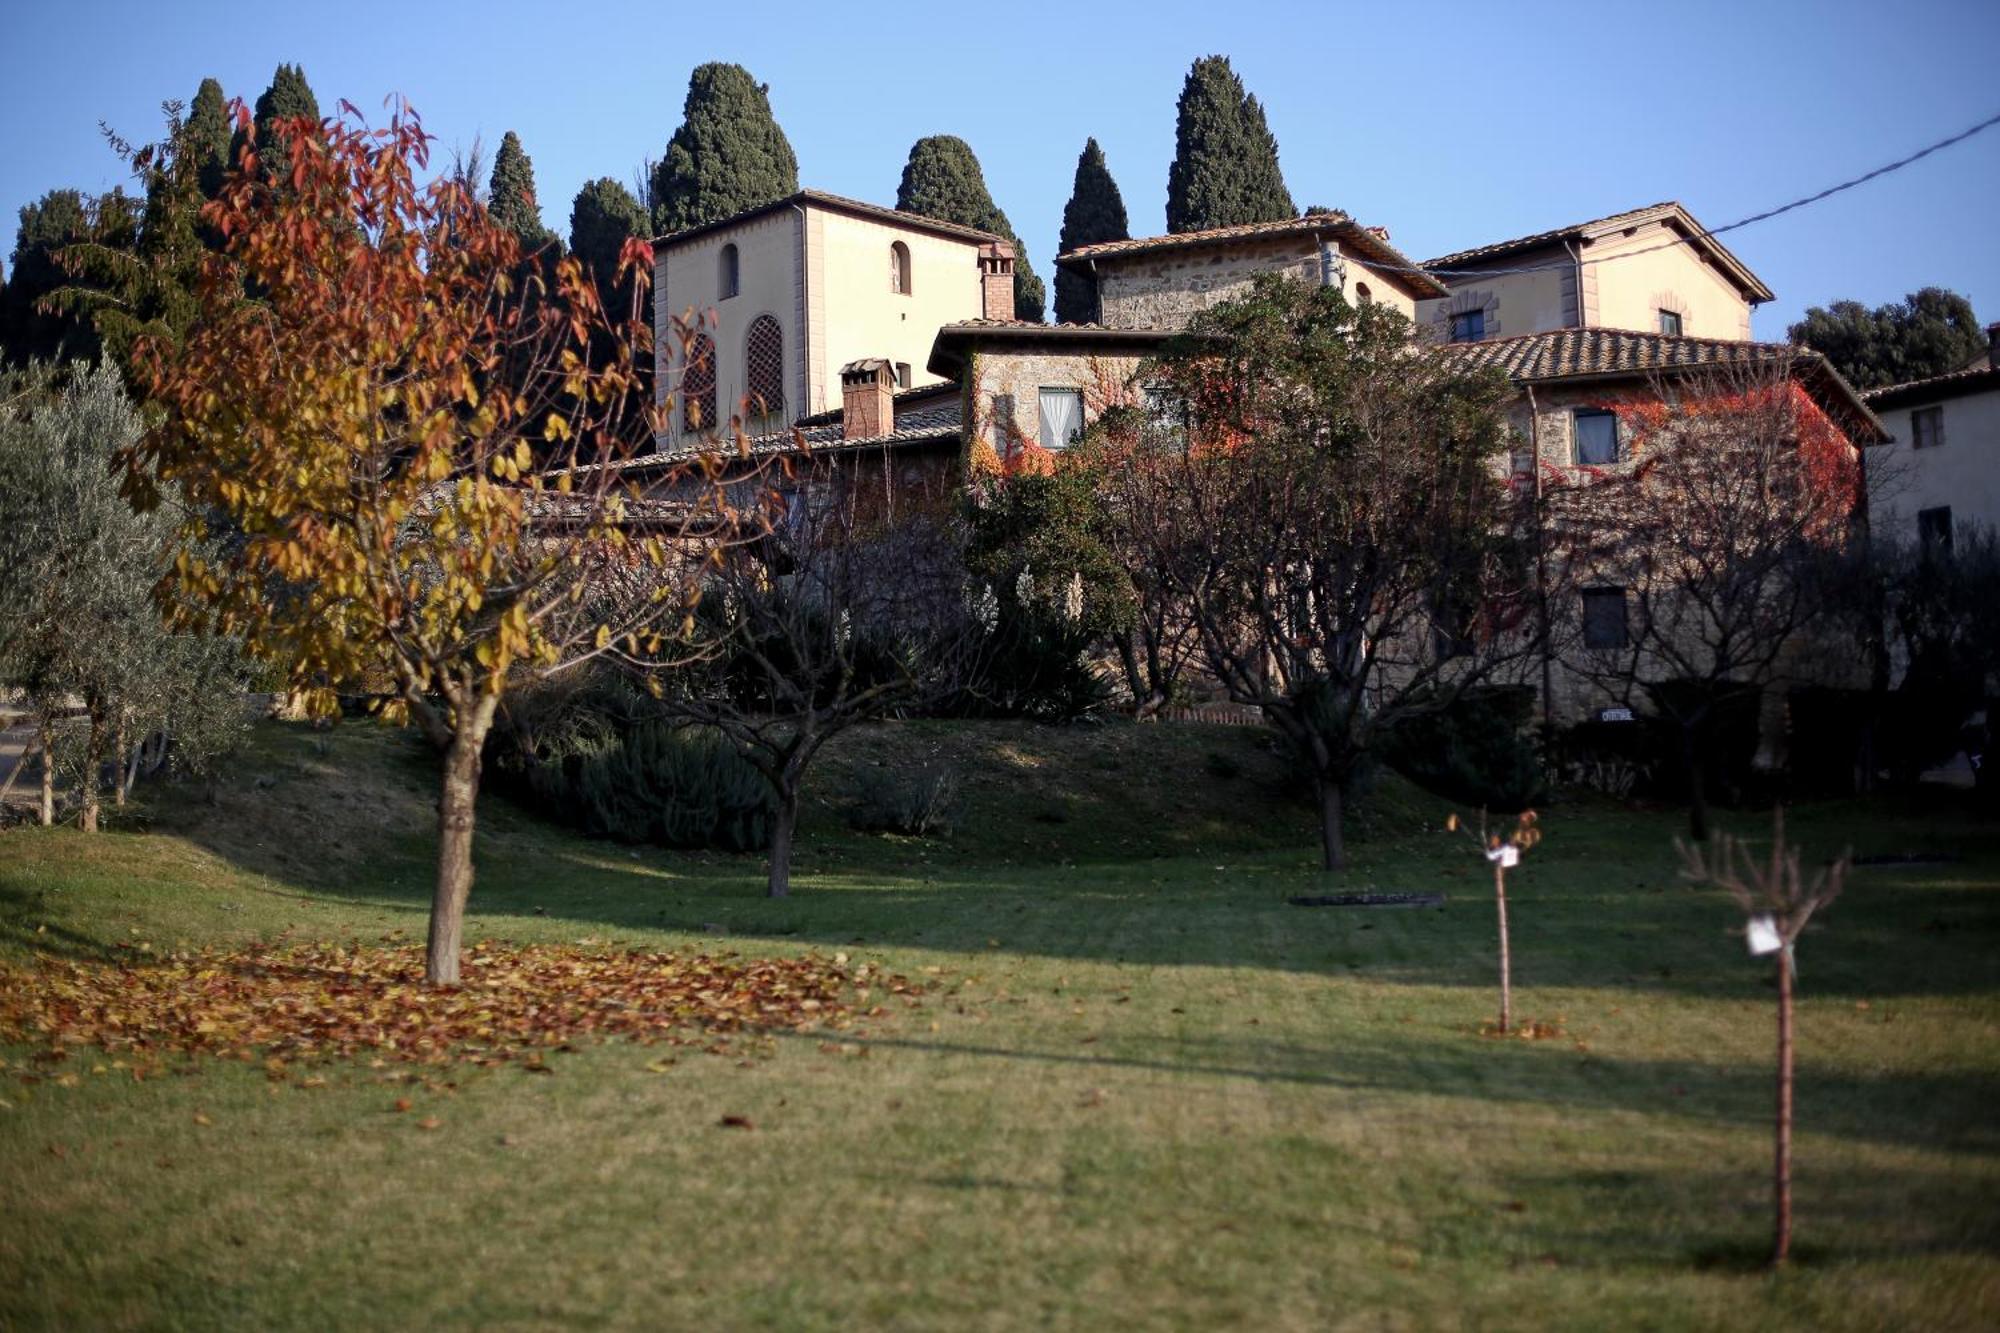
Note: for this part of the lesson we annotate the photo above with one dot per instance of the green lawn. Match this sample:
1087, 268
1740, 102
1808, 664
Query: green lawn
1146, 1092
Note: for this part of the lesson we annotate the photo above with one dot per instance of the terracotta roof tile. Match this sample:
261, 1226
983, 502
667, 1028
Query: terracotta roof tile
1972, 379
1587, 353
1670, 208
839, 204
916, 425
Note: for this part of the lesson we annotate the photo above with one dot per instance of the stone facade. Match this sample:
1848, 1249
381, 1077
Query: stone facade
1002, 395
1166, 288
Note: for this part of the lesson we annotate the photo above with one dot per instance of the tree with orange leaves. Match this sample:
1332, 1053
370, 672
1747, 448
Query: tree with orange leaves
390, 424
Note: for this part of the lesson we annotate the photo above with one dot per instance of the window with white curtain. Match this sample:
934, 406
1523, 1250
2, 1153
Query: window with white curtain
1061, 417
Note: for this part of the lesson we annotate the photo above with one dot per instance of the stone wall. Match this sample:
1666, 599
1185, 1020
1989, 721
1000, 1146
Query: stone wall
1004, 391
1163, 290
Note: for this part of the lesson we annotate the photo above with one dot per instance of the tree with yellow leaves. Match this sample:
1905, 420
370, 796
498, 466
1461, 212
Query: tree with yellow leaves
406, 456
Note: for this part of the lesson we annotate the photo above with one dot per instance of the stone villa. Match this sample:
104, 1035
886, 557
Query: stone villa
886, 342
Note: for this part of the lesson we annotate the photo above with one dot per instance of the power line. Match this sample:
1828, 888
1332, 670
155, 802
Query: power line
1711, 233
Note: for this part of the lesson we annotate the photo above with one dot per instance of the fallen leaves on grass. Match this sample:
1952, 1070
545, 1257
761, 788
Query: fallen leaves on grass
305, 1002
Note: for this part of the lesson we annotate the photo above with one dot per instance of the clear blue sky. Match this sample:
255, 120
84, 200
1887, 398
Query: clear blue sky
1453, 124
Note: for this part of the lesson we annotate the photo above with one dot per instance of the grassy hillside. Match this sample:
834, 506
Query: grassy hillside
1145, 1091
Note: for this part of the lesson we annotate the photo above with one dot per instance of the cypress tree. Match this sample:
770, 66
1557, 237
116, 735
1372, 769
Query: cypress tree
207, 130
510, 196
58, 219
289, 96
1095, 212
942, 180
602, 218
140, 278
1225, 171
728, 155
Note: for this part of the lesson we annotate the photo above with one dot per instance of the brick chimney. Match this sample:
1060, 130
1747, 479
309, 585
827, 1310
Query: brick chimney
996, 280
1993, 346
867, 399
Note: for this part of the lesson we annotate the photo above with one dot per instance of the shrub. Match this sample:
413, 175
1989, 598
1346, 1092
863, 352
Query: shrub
1476, 750
1035, 665
918, 802
596, 756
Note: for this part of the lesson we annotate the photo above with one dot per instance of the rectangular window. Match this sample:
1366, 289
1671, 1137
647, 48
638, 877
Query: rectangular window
902, 374
1061, 417
1468, 326
1604, 624
1596, 434
1934, 530
1926, 427
1670, 322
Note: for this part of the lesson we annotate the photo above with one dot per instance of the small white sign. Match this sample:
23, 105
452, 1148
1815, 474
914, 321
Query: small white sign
1614, 715
1764, 937
1506, 856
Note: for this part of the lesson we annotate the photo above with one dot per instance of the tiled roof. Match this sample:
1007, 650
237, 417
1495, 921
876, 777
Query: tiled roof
903, 400
1973, 379
1576, 230
1370, 246
839, 204
1028, 328
1670, 208
1589, 353
946, 360
915, 425
1599, 351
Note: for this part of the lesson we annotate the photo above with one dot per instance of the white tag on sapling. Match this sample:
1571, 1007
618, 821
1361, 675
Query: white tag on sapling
1764, 937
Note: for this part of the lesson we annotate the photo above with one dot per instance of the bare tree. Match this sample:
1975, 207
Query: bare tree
1779, 900
1695, 563
837, 615
1329, 519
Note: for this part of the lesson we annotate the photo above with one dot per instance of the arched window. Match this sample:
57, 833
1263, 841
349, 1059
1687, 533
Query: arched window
764, 368
729, 279
1362, 295
698, 385
899, 269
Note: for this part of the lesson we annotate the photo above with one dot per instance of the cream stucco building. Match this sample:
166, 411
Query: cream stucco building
1648, 270
1940, 474
766, 307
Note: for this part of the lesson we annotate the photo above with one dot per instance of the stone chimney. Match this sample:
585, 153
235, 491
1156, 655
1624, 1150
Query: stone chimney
867, 399
1993, 346
996, 280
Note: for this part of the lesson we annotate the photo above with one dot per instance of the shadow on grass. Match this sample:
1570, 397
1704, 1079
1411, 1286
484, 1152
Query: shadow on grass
1852, 1215
1944, 1112
346, 822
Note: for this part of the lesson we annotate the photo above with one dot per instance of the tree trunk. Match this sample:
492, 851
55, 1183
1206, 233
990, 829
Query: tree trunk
1506, 959
1333, 846
121, 761
1128, 659
456, 806
783, 820
1782, 1171
1697, 787
48, 774
93, 774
